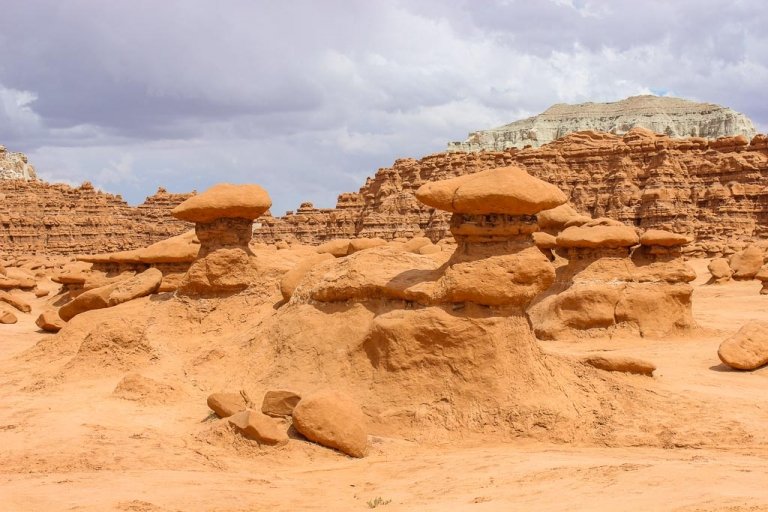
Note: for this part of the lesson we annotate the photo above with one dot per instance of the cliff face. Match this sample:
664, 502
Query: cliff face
671, 116
38, 217
715, 190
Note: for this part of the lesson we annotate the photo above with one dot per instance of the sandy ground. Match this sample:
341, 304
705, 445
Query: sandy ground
75, 446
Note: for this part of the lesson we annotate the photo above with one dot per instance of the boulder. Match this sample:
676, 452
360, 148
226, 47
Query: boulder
15, 301
332, 419
6, 317
746, 264
224, 201
748, 348
620, 363
337, 248
50, 321
226, 404
504, 190
259, 427
41, 293
720, 270
279, 403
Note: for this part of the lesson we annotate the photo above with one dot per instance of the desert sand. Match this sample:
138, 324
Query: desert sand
72, 443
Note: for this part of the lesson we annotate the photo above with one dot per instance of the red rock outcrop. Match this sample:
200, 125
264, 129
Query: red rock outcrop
715, 191
44, 218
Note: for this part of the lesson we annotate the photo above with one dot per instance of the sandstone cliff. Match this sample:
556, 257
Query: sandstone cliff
716, 191
672, 116
38, 217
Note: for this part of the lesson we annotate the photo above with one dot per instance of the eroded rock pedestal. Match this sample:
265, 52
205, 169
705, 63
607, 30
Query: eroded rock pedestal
223, 217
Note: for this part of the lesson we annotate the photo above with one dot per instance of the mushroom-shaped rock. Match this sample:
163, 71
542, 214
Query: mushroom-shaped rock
748, 348
223, 217
334, 420
663, 238
505, 190
224, 201
598, 233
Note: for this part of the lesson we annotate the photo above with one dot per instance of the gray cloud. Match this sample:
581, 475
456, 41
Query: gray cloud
308, 98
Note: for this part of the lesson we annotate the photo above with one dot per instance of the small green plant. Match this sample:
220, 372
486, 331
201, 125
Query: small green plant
378, 501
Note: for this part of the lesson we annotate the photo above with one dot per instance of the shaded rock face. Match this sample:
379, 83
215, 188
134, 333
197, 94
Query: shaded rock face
43, 218
675, 117
712, 191
224, 262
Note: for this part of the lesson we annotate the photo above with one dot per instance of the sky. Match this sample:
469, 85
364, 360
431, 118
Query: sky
308, 98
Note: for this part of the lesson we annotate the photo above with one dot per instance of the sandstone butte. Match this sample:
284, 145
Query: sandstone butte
675, 117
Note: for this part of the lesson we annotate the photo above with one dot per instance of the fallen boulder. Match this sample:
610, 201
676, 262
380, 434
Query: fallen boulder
6, 317
50, 321
259, 427
748, 348
15, 301
226, 404
334, 420
279, 403
720, 270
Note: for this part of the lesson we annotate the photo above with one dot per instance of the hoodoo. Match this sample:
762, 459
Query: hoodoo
223, 217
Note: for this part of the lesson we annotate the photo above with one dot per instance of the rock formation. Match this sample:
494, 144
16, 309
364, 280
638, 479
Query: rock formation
223, 217
675, 117
605, 285
15, 166
748, 348
38, 217
713, 191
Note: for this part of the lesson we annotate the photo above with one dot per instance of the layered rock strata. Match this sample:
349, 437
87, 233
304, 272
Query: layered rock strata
712, 191
42, 218
675, 117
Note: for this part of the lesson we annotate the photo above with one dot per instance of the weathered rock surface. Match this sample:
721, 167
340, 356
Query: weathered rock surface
7, 317
226, 404
747, 263
43, 218
15, 301
618, 363
279, 403
720, 270
224, 200
259, 427
748, 348
712, 191
675, 117
332, 419
110, 295
50, 321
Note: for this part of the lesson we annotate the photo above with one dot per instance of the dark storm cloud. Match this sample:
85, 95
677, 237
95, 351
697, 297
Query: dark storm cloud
310, 97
